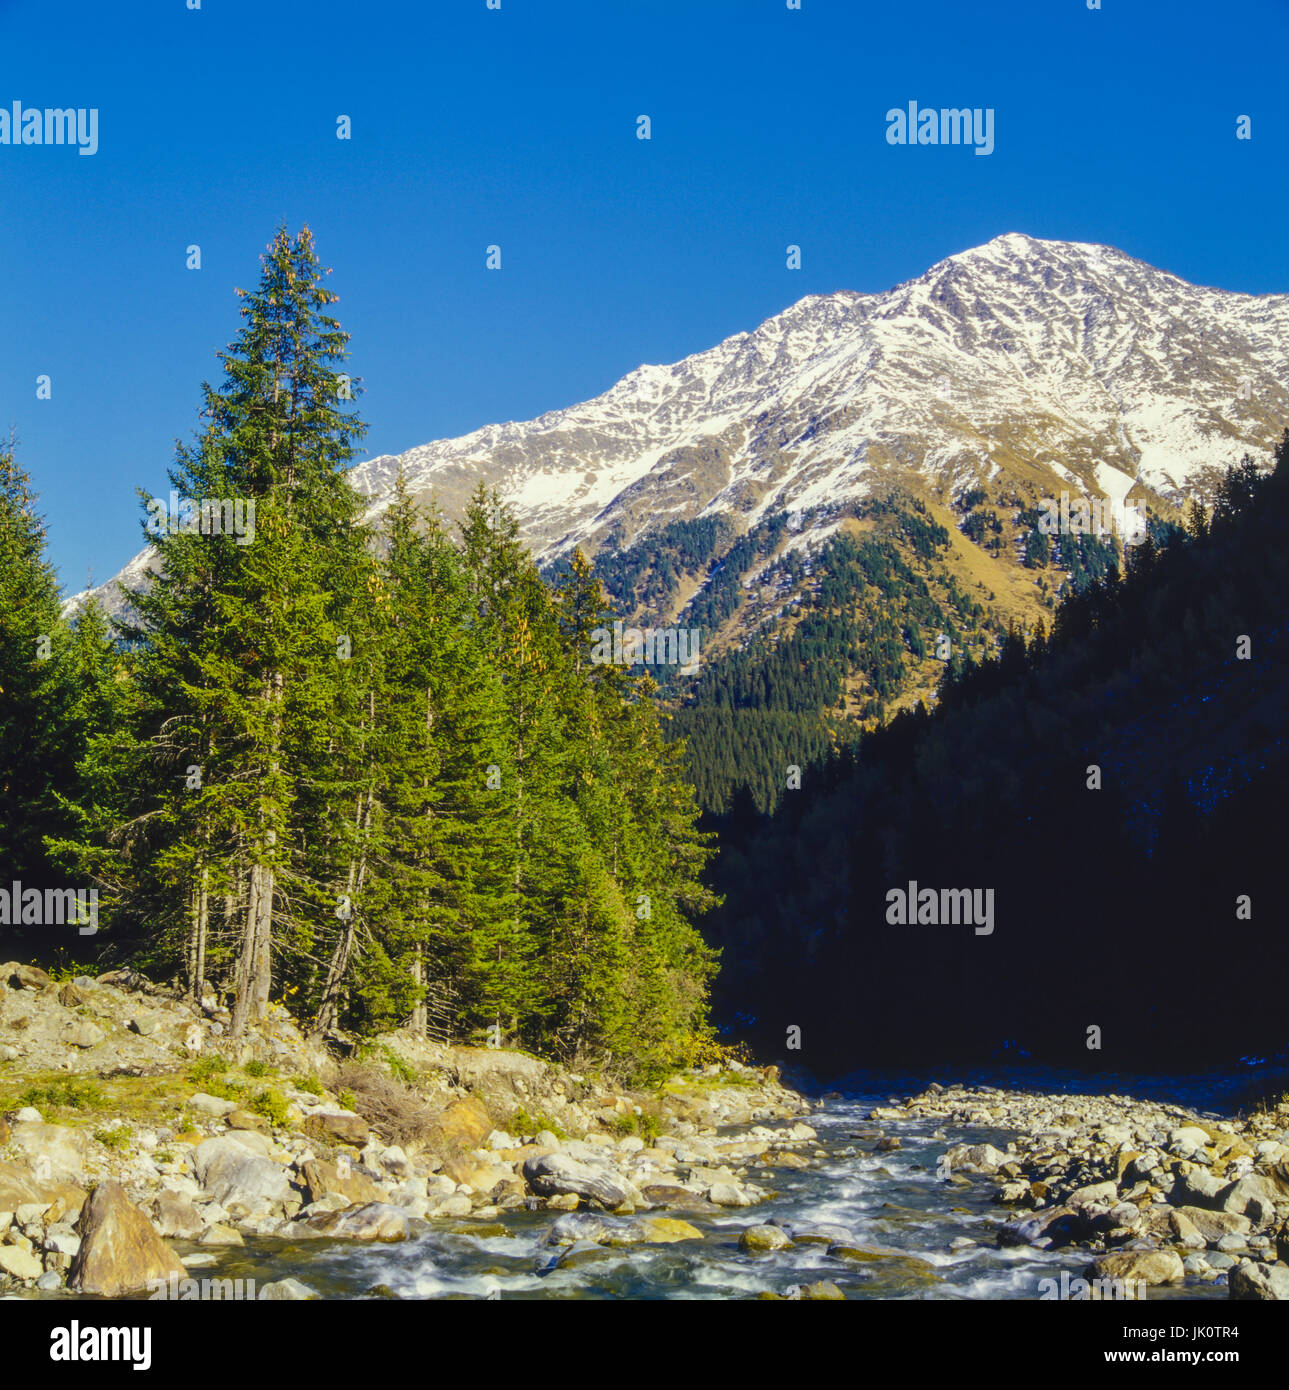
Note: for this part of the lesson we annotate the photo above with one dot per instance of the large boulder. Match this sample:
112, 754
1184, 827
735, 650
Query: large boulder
1258, 1282
975, 1158
1198, 1188
1052, 1227
1213, 1225
552, 1175
175, 1216
461, 1126
230, 1172
321, 1178
57, 1150
1254, 1196
338, 1127
1138, 1267
375, 1221
119, 1253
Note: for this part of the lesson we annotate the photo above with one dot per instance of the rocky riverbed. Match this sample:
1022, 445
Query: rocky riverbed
142, 1154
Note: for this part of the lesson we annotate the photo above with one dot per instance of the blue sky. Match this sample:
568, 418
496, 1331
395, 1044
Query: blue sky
518, 127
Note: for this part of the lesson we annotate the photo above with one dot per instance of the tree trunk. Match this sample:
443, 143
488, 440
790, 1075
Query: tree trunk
255, 966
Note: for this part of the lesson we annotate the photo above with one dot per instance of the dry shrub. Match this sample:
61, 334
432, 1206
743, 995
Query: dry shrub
388, 1104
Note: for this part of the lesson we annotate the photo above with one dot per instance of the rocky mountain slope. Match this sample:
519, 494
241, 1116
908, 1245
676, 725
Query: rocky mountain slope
709, 489
1039, 364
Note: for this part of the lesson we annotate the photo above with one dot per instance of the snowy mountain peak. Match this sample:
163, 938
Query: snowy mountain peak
1058, 362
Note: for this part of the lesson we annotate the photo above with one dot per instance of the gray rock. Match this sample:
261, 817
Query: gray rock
729, 1194
64, 1242
757, 1239
1253, 1196
1052, 1227
231, 1173
210, 1105
579, 1225
63, 1149
1213, 1225
1198, 1188
83, 1034
551, 1175
175, 1217
286, 1291
377, 1221
976, 1158
1102, 1193
1259, 1283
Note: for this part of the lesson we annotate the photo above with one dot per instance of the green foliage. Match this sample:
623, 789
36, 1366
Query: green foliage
646, 1124
273, 1105
380, 780
879, 601
310, 1085
73, 1094
62, 968
117, 1138
522, 1124
206, 1067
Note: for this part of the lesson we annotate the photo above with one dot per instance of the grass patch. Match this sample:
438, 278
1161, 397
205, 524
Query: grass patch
116, 1138
77, 1101
521, 1123
273, 1106
371, 1053
206, 1067
71, 1093
647, 1125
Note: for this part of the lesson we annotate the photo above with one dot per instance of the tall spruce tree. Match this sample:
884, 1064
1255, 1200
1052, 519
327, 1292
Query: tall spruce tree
39, 737
239, 635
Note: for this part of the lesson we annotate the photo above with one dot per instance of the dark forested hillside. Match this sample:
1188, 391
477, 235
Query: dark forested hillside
1118, 787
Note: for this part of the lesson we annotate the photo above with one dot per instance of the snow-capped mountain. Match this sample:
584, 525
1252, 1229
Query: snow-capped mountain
1059, 364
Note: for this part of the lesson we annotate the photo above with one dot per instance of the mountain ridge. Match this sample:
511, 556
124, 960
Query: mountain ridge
1048, 364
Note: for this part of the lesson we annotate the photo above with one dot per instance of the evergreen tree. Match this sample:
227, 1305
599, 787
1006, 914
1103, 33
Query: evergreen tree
39, 730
